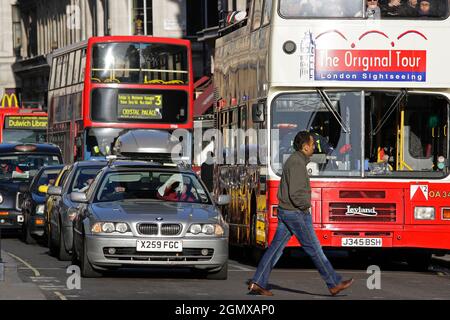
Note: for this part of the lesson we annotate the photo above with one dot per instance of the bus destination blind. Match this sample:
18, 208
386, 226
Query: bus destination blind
25, 122
139, 106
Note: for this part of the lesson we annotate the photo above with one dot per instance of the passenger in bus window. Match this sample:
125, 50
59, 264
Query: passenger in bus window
409, 9
391, 9
373, 9
425, 9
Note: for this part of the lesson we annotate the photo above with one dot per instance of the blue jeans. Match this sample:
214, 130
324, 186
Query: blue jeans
300, 224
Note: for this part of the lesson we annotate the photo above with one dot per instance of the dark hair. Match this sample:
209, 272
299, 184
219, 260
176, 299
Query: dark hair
300, 139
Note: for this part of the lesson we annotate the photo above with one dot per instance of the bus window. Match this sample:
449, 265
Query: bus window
70, 68
336, 130
267, 12
140, 63
316, 9
386, 9
76, 67
409, 141
256, 23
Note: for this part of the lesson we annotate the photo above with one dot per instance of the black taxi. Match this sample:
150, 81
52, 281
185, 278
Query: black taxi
19, 163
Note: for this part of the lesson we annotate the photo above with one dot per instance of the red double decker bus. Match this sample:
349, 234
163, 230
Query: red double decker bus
23, 125
106, 86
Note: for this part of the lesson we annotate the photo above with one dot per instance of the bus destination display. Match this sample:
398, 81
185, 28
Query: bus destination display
26, 122
139, 106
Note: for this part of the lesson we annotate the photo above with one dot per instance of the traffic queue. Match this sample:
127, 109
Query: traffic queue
115, 212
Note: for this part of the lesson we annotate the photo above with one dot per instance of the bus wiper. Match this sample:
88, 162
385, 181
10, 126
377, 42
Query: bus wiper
329, 105
389, 111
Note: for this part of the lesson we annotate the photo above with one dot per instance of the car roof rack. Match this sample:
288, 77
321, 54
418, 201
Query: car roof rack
162, 162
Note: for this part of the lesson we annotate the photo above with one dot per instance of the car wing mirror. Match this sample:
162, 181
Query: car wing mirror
54, 191
223, 200
78, 197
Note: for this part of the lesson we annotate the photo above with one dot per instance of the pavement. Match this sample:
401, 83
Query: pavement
12, 287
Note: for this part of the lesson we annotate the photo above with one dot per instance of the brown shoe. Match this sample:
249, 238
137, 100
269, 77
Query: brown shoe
341, 286
258, 290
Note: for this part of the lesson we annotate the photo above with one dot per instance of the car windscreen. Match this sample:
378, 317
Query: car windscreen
24, 166
152, 185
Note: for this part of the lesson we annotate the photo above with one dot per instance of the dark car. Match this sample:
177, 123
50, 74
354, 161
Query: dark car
19, 163
149, 215
33, 202
60, 208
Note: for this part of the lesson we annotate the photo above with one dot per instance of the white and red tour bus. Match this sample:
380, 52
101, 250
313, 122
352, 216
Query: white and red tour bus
374, 90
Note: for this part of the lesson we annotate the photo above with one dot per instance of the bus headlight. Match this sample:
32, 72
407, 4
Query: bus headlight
424, 213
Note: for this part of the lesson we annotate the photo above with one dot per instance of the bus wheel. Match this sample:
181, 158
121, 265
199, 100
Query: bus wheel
419, 261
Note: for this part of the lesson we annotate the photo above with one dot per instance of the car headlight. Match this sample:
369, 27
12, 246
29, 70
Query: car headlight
424, 213
195, 229
208, 229
40, 209
1, 198
121, 227
110, 227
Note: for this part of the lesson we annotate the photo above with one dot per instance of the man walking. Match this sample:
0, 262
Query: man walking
294, 218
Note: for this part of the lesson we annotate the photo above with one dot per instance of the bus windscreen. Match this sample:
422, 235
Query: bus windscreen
140, 63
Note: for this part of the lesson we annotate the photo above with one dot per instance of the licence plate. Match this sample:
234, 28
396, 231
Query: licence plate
362, 242
159, 245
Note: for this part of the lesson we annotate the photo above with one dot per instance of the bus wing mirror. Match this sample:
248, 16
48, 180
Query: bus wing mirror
258, 112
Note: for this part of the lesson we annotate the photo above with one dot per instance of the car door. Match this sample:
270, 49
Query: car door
51, 200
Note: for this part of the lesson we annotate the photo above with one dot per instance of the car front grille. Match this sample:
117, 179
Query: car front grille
170, 229
130, 254
167, 229
150, 229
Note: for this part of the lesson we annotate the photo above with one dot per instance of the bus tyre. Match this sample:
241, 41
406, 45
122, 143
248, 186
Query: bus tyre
63, 255
419, 261
87, 271
222, 274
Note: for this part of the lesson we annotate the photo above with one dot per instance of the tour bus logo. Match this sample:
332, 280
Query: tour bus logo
360, 211
353, 64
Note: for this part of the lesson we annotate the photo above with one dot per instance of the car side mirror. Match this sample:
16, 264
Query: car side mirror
43, 189
54, 191
258, 112
223, 200
23, 187
78, 197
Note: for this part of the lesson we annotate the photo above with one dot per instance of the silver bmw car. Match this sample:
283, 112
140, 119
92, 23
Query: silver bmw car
144, 214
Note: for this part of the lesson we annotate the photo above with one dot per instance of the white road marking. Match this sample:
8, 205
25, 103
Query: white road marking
240, 268
60, 295
29, 266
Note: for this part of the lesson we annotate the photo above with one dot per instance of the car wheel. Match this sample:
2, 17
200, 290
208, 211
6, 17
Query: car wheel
87, 270
63, 255
222, 274
28, 238
51, 243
